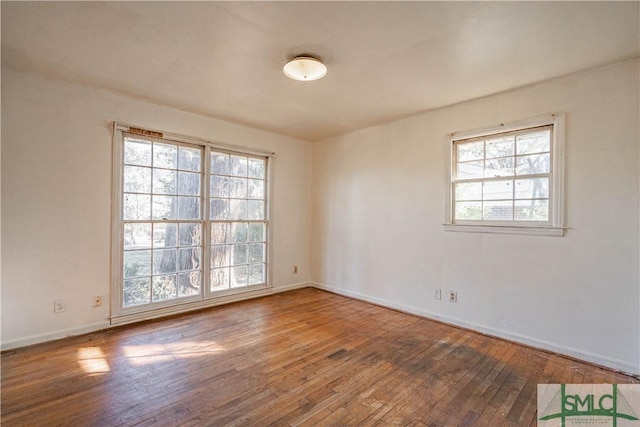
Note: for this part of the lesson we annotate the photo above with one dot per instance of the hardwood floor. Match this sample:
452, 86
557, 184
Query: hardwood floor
304, 357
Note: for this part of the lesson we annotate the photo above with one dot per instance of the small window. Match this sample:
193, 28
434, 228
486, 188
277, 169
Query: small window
507, 179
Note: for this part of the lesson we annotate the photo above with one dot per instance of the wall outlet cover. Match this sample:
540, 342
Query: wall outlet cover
453, 296
59, 306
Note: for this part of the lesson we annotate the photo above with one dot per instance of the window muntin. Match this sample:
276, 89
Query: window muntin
163, 222
503, 178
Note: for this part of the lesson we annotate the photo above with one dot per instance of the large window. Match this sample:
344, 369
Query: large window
507, 179
191, 220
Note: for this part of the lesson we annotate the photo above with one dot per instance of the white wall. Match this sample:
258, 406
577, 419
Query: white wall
56, 195
378, 205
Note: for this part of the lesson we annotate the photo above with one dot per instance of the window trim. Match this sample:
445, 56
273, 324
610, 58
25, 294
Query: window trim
556, 224
206, 298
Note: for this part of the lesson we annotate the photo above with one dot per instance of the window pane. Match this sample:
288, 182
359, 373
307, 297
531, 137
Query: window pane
534, 188
237, 209
499, 167
219, 163
239, 276
137, 263
164, 207
470, 151
137, 179
164, 181
471, 170
189, 159
536, 142
239, 232
220, 256
500, 147
137, 152
164, 261
189, 234
137, 236
165, 156
256, 253
219, 279
136, 207
536, 163
237, 188
238, 166
256, 274
189, 283
188, 259
468, 211
219, 186
219, 233
219, 209
494, 190
239, 254
188, 207
189, 183
256, 168
256, 189
468, 191
531, 210
498, 211
256, 232
256, 209
136, 292
165, 235
164, 288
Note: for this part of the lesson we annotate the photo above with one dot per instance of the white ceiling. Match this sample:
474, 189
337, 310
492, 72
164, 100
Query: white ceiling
386, 60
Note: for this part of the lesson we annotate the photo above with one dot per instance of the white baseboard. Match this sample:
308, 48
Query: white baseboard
54, 335
291, 287
616, 364
69, 332
598, 359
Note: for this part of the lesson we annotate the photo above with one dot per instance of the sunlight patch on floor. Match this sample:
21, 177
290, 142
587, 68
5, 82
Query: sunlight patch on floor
145, 354
92, 360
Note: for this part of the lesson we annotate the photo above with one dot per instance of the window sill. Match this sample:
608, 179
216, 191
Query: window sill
197, 303
506, 229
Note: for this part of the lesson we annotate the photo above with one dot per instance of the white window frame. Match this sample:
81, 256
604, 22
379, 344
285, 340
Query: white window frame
556, 224
120, 314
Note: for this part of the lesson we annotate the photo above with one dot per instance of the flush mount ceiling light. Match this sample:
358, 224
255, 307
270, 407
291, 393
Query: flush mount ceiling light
305, 68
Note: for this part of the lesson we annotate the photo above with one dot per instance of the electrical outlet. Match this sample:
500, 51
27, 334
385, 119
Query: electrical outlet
295, 269
453, 296
97, 301
59, 306
438, 294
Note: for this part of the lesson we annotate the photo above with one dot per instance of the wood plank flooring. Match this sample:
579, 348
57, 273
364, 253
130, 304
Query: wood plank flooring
304, 357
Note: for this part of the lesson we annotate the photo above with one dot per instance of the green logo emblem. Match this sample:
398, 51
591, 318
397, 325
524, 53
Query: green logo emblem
583, 405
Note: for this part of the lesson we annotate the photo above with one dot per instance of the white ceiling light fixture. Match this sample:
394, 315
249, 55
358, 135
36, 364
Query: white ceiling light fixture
305, 68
